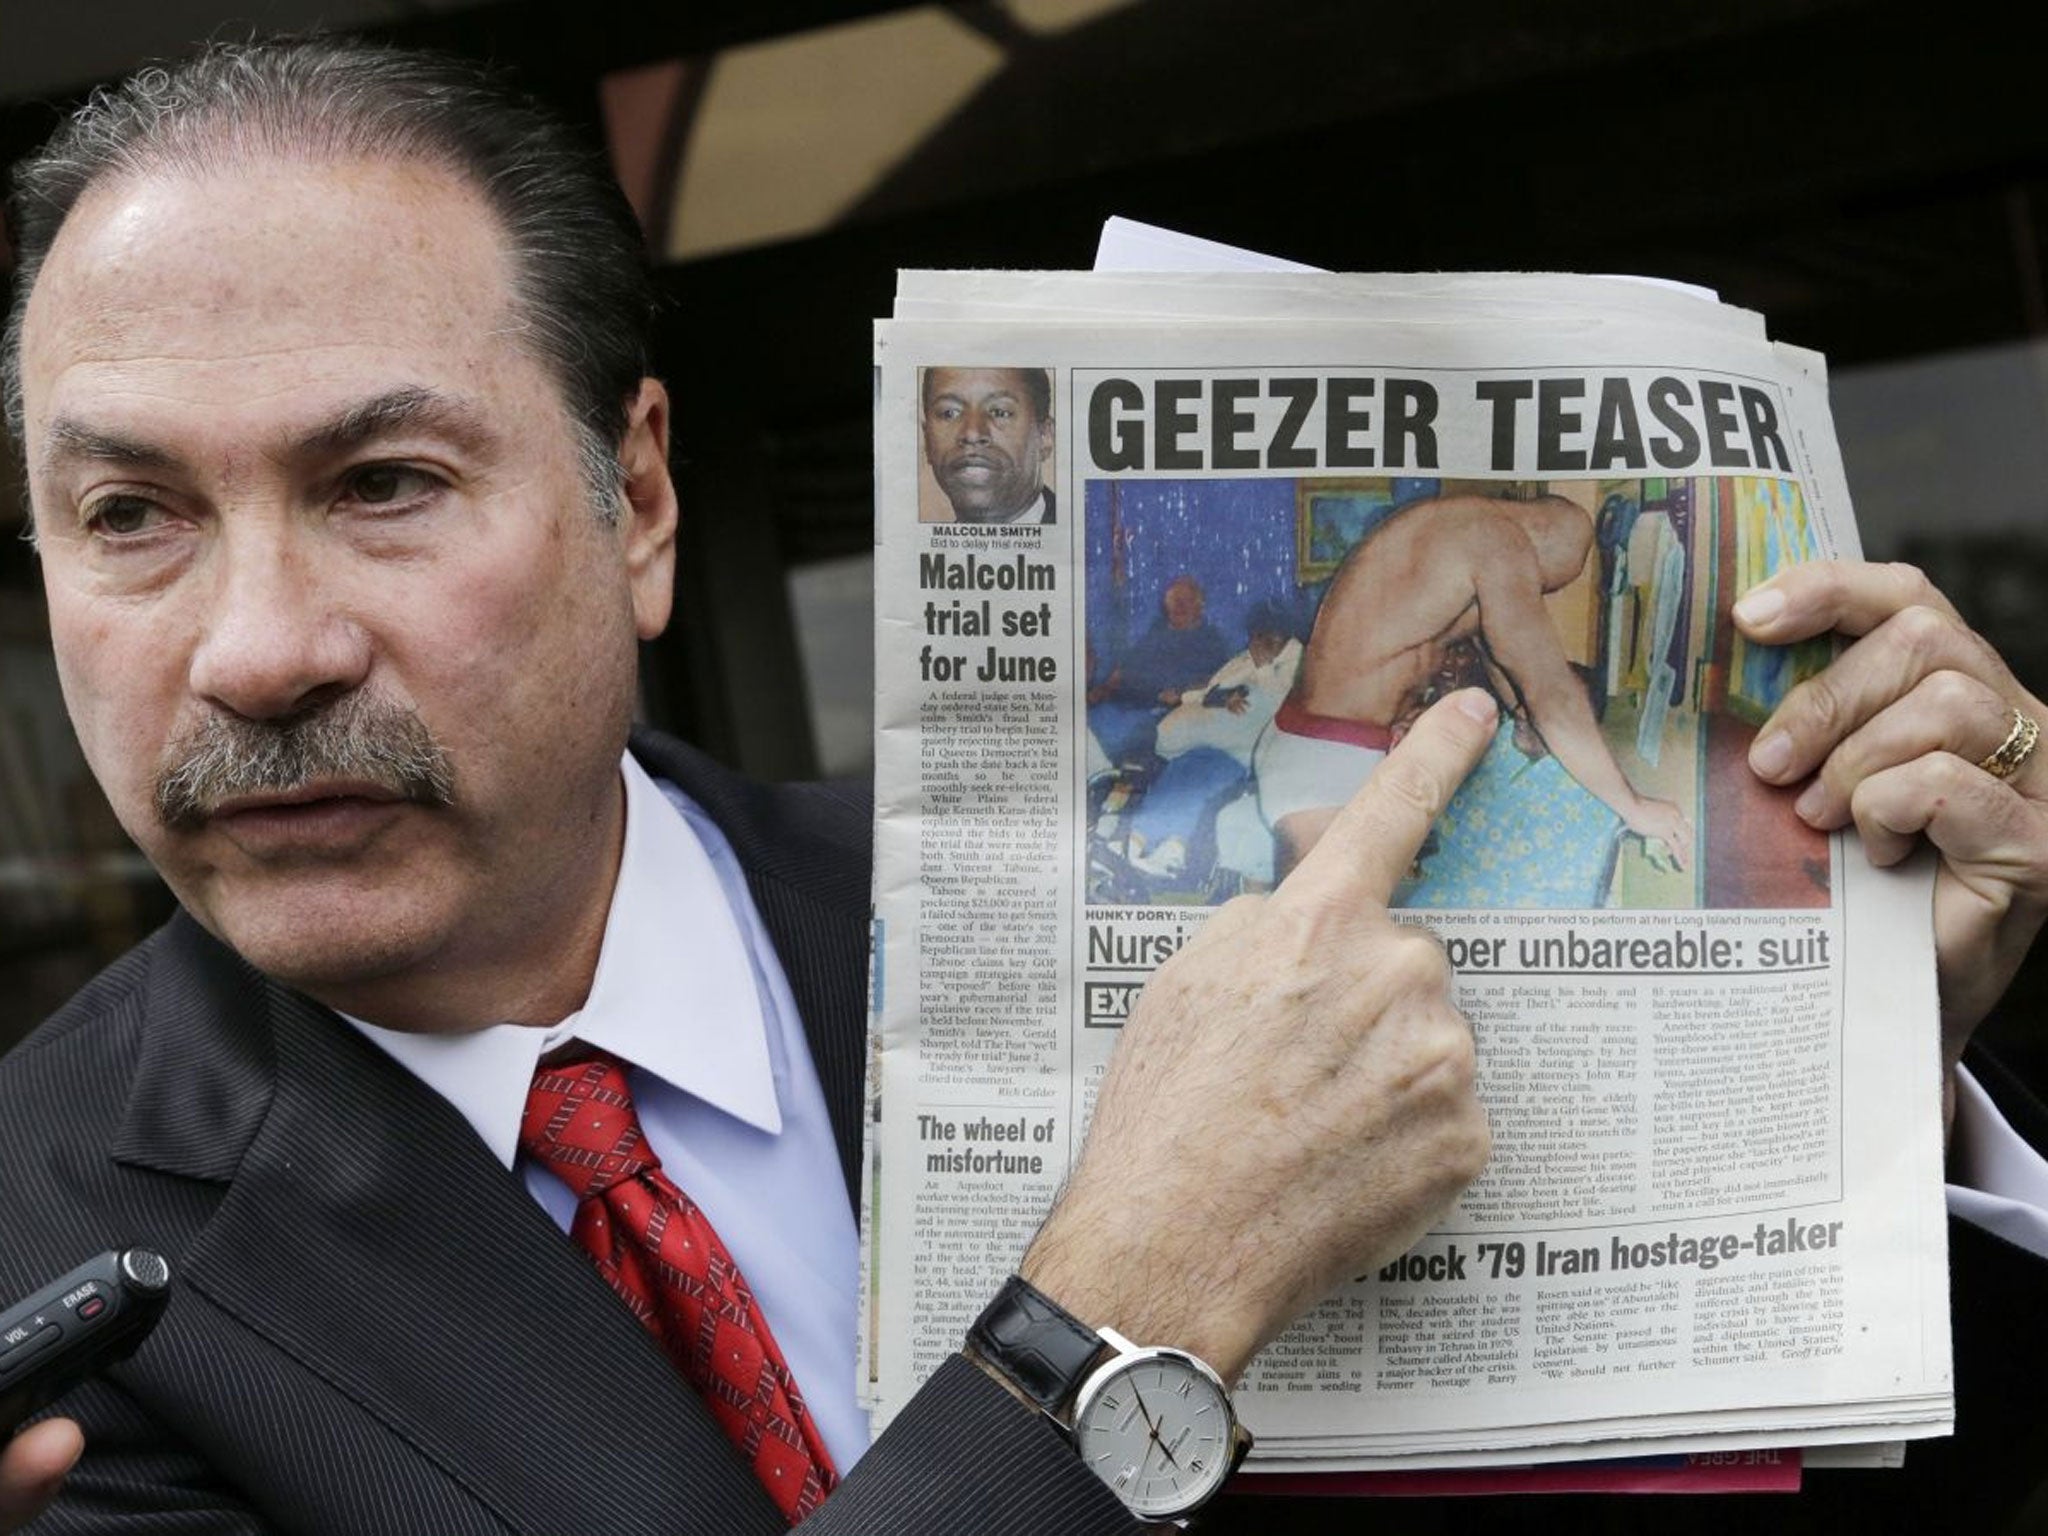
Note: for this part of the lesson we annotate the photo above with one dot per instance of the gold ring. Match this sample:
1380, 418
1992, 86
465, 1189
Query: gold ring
2017, 747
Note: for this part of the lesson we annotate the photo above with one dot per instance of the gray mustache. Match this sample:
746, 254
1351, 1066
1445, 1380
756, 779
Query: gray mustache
360, 738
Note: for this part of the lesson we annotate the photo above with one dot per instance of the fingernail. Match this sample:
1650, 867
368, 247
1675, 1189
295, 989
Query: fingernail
1479, 705
1760, 606
1771, 754
1810, 802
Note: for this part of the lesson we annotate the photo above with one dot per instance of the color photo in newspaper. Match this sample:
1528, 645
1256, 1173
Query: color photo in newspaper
1137, 645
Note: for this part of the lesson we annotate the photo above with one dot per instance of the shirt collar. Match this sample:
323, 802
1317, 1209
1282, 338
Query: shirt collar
674, 994
1030, 514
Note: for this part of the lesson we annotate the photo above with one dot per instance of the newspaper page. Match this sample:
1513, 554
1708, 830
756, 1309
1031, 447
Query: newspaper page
1249, 537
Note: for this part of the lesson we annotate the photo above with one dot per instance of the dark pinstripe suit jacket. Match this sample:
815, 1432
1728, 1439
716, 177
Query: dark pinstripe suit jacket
375, 1328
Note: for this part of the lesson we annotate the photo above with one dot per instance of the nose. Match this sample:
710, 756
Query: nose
974, 426
276, 640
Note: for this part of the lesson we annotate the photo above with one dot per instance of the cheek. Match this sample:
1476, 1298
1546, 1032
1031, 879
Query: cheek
1027, 447
122, 686
461, 649
508, 664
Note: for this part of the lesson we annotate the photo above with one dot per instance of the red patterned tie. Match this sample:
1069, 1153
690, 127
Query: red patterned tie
661, 1254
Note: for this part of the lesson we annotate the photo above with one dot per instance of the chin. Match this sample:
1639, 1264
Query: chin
336, 966
324, 941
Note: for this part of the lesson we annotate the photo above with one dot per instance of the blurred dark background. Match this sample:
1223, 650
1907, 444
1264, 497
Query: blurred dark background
1872, 176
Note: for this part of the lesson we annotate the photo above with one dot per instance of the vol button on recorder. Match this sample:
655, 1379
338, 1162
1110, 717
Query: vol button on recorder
79, 1323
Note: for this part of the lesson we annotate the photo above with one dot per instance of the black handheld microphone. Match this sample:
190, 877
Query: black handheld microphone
77, 1324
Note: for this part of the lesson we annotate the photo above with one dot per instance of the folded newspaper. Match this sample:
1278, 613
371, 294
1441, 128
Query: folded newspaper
1166, 561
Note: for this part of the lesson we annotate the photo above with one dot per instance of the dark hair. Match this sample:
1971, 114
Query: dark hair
1268, 617
580, 276
1037, 387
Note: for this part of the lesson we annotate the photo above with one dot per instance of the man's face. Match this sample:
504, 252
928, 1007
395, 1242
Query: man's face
289, 464
1184, 603
984, 440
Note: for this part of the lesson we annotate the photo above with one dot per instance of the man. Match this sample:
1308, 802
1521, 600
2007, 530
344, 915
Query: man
1228, 712
350, 513
1177, 652
1206, 744
1420, 588
351, 491
988, 437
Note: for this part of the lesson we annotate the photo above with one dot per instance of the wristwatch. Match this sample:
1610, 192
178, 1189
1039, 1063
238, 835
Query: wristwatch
1156, 1425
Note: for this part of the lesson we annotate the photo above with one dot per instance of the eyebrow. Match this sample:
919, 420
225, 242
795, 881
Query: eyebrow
410, 407
74, 440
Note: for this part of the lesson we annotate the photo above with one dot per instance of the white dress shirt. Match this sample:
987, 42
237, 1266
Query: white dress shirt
689, 993
1997, 1181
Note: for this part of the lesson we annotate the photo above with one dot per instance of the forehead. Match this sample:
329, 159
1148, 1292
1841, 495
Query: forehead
221, 296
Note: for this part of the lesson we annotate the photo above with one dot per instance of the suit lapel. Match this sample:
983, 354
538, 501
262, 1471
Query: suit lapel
368, 1235
203, 1077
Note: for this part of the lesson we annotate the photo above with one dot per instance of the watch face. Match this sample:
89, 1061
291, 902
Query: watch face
1156, 1427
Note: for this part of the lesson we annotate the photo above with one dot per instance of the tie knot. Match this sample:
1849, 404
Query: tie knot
580, 1123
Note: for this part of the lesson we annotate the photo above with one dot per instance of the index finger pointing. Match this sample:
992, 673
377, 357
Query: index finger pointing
1374, 838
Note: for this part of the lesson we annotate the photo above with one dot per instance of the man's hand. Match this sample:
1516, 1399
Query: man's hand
32, 1468
1291, 1102
1891, 735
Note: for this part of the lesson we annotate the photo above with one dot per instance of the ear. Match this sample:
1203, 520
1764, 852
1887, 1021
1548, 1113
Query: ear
1045, 433
650, 526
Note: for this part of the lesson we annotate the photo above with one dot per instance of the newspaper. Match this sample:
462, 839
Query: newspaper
1275, 515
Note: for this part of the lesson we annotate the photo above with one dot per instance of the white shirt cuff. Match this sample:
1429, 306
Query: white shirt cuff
1998, 1182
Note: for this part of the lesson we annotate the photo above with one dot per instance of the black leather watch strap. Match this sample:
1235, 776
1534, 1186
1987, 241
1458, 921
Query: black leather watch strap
1038, 1344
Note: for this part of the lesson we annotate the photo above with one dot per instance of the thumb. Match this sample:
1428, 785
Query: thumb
32, 1469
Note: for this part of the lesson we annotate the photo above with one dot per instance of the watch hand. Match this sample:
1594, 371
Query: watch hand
1152, 1426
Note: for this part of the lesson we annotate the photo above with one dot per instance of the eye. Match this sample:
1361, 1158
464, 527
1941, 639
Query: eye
122, 517
388, 485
